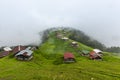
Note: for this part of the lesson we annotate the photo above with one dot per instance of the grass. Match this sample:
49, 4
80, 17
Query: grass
44, 69
47, 64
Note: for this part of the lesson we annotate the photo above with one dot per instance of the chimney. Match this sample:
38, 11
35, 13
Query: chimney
19, 48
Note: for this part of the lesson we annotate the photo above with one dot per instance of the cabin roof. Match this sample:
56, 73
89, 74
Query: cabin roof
85, 51
94, 54
27, 52
97, 50
7, 49
65, 38
68, 55
18, 48
74, 42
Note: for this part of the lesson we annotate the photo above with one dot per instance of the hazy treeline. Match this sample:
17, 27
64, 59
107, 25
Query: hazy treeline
113, 49
80, 36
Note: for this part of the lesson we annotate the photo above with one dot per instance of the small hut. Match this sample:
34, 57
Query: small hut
74, 44
5, 52
69, 57
85, 52
96, 54
24, 54
65, 38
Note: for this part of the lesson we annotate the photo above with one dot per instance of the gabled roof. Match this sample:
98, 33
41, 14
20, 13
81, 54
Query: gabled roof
25, 52
68, 55
85, 51
97, 50
74, 42
18, 48
7, 49
94, 54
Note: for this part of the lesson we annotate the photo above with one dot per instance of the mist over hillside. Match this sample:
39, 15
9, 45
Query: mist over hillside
37, 36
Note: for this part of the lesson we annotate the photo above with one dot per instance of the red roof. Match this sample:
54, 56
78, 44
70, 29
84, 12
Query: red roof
4, 53
18, 48
92, 53
68, 55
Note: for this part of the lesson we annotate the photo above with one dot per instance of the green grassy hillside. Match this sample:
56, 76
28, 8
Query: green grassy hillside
47, 64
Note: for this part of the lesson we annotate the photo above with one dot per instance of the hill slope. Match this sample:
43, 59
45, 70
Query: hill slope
47, 64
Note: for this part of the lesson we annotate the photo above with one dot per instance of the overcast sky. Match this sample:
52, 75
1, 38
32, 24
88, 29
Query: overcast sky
21, 20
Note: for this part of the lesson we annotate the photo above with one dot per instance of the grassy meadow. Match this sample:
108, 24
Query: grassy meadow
47, 64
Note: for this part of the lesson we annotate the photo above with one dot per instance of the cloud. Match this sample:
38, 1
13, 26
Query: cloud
20, 20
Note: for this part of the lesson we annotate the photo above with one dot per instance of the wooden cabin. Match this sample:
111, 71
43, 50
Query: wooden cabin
24, 54
74, 44
69, 57
96, 54
5, 52
65, 38
85, 53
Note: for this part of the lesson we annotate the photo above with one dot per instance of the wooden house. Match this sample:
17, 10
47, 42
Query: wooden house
69, 57
24, 54
96, 54
85, 53
74, 44
65, 38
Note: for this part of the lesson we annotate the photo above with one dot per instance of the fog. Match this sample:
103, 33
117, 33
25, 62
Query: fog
22, 20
